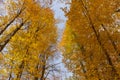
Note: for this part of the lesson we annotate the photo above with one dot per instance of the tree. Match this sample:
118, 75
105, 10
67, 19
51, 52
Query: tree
30, 48
91, 40
6, 22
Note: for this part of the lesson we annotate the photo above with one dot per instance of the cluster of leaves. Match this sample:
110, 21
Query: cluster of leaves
91, 41
31, 33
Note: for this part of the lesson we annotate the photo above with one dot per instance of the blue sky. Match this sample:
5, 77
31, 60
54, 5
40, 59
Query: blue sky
2, 10
59, 14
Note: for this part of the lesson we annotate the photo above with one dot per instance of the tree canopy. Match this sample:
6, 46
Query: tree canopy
90, 44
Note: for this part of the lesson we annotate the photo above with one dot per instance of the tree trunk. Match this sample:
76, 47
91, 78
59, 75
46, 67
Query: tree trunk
114, 71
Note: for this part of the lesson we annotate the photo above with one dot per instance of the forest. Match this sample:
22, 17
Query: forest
30, 43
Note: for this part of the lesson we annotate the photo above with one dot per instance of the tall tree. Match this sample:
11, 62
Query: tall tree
30, 48
7, 21
93, 43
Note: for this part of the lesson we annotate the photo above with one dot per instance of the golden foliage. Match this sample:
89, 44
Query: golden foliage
91, 39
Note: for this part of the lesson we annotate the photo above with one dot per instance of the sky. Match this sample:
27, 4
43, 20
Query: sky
2, 10
56, 6
59, 14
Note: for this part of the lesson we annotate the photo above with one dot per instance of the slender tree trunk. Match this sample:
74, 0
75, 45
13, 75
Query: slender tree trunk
112, 42
10, 77
36, 78
114, 71
43, 72
21, 67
